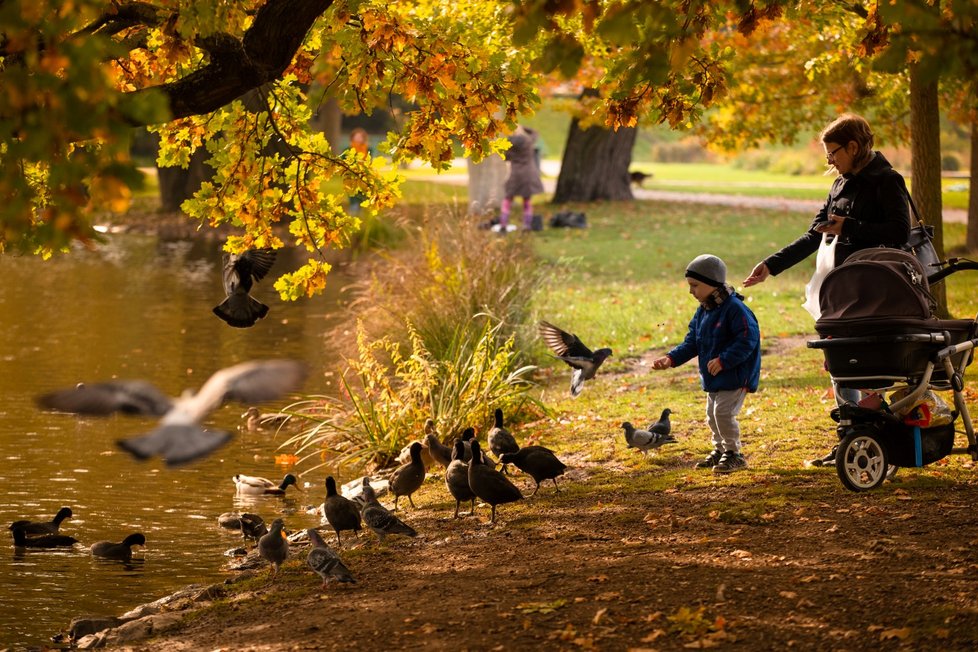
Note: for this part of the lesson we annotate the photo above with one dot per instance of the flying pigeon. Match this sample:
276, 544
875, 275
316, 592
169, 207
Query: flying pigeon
645, 440
179, 437
571, 350
240, 309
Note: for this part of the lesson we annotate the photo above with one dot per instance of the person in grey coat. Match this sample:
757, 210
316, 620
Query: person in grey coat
524, 176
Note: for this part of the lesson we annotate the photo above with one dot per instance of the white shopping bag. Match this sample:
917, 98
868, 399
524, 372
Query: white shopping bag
824, 262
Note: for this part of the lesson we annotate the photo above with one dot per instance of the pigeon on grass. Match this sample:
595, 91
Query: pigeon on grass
645, 440
569, 348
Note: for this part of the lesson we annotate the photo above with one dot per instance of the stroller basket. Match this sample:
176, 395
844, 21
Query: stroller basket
879, 361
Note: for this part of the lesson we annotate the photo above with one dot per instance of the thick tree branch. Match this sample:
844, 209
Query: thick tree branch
238, 66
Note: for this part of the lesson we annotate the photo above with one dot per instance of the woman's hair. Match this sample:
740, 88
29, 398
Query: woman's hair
847, 128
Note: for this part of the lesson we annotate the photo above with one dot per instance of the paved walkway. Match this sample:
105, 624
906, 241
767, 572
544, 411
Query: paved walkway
775, 203
552, 168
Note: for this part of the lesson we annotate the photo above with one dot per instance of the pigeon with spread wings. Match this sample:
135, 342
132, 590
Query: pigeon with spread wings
240, 309
179, 437
570, 349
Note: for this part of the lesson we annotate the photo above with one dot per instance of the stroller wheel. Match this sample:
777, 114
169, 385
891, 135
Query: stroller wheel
861, 461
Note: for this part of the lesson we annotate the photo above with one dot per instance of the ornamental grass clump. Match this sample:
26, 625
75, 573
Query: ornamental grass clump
390, 389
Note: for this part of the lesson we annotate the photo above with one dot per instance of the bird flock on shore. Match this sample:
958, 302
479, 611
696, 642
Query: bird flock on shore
469, 474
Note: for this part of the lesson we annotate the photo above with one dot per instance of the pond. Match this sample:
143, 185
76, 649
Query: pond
138, 307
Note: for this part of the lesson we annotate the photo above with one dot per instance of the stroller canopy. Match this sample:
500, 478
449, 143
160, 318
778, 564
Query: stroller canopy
876, 284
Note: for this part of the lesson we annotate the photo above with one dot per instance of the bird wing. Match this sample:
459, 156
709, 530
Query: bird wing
258, 261
101, 399
563, 343
254, 382
177, 444
377, 517
643, 439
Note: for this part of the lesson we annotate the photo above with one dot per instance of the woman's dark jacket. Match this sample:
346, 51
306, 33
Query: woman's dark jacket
879, 215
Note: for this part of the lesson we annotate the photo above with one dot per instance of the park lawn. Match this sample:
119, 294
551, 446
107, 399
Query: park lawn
620, 283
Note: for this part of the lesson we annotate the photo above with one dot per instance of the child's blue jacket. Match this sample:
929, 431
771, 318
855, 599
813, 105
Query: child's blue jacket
729, 332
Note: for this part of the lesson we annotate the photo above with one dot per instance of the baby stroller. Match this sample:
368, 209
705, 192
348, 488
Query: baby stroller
879, 335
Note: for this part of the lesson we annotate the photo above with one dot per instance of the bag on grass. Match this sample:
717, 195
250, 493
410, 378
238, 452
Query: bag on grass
824, 262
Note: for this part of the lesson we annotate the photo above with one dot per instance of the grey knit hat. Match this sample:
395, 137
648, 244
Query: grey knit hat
707, 269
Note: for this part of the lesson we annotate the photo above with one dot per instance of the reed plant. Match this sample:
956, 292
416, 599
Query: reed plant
440, 327
390, 390
445, 271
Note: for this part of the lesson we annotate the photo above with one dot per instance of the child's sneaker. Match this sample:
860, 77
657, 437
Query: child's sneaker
730, 462
711, 460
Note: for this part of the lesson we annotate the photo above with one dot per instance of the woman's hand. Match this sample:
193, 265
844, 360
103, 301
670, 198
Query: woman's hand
757, 275
832, 226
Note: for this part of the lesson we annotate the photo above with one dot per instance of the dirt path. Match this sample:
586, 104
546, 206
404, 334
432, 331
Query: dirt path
611, 570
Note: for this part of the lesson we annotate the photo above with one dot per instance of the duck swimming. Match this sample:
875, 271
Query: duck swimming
252, 485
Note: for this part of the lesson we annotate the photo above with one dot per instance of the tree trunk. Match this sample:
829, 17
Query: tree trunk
595, 165
179, 184
925, 149
971, 239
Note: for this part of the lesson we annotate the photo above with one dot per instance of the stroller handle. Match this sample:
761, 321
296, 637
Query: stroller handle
953, 265
831, 342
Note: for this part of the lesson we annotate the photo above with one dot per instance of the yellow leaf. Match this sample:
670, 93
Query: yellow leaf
599, 615
902, 633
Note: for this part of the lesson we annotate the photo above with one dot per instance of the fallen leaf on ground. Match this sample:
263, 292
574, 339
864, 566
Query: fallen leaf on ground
650, 638
541, 607
599, 615
902, 633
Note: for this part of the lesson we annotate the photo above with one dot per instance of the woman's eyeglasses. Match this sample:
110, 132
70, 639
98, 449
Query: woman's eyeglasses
831, 155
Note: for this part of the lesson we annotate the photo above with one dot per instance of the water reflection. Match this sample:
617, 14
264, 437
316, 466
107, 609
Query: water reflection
138, 307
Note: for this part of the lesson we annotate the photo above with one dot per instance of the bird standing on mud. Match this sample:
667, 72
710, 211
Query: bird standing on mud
325, 561
180, 438
240, 309
274, 546
379, 519
569, 348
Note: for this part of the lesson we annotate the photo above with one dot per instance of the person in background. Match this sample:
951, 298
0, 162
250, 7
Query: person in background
524, 176
867, 207
725, 337
360, 144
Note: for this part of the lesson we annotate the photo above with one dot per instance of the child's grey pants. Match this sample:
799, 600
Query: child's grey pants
722, 409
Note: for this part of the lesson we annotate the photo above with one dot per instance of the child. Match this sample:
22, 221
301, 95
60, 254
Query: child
725, 336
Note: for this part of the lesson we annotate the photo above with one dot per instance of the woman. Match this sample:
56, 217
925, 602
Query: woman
866, 207
360, 145
524, 176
